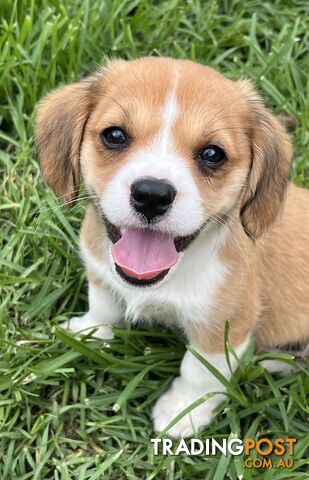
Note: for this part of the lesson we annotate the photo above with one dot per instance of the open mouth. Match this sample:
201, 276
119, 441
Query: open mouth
143, 256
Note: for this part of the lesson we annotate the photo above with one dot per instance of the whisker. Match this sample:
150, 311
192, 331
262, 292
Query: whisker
60, 197
221, 221
112, 99
53, 209
64, 204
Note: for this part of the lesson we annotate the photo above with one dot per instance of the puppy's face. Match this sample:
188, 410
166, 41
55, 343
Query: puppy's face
167, 147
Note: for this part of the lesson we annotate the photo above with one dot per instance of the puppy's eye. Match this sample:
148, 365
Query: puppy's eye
114, 137
211, 157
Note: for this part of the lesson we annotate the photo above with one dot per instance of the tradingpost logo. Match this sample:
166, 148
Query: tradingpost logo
262, 453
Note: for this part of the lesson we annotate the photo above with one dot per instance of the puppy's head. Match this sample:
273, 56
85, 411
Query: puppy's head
166, 146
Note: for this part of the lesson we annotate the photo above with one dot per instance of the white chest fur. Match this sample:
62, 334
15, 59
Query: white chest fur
185, 294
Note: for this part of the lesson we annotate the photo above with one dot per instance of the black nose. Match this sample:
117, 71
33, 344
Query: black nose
152, 197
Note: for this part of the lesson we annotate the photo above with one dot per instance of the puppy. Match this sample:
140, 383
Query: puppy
193, 220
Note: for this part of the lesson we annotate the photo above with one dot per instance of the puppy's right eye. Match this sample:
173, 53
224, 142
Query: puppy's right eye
114, 138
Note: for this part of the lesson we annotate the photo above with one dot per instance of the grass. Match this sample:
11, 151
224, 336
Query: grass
72, 408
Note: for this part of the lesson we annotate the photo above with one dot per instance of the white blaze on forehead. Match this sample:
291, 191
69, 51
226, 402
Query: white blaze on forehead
157, 158
170, 111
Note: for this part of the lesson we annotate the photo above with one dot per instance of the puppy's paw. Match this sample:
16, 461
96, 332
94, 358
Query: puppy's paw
277, 366
172, 403
85, 323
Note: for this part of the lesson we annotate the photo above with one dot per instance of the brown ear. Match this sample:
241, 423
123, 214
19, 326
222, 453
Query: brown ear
270, 167
61, 119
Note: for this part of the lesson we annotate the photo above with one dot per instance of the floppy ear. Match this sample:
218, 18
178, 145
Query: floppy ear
61, 119
270, 168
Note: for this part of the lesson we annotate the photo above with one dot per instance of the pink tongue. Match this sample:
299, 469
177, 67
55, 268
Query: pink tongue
143, 254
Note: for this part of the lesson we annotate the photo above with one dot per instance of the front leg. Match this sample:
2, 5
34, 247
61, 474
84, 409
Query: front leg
104, 312
194, 382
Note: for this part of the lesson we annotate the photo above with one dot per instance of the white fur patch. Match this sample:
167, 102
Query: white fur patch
185, 295
187, 292
170, 112
104, 312
194, 382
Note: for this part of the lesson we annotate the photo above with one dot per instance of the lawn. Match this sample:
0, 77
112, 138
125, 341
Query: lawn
72, 407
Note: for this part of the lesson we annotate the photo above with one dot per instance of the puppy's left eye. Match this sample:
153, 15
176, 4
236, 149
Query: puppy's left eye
212, 157
114, 137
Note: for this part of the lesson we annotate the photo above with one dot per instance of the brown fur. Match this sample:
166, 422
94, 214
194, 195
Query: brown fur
239, 305
266, 292
283, 256
269, 173
267, 289
61, 119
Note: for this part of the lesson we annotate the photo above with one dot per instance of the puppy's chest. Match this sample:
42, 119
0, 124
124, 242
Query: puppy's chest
187, 294
159, 310
181, 300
